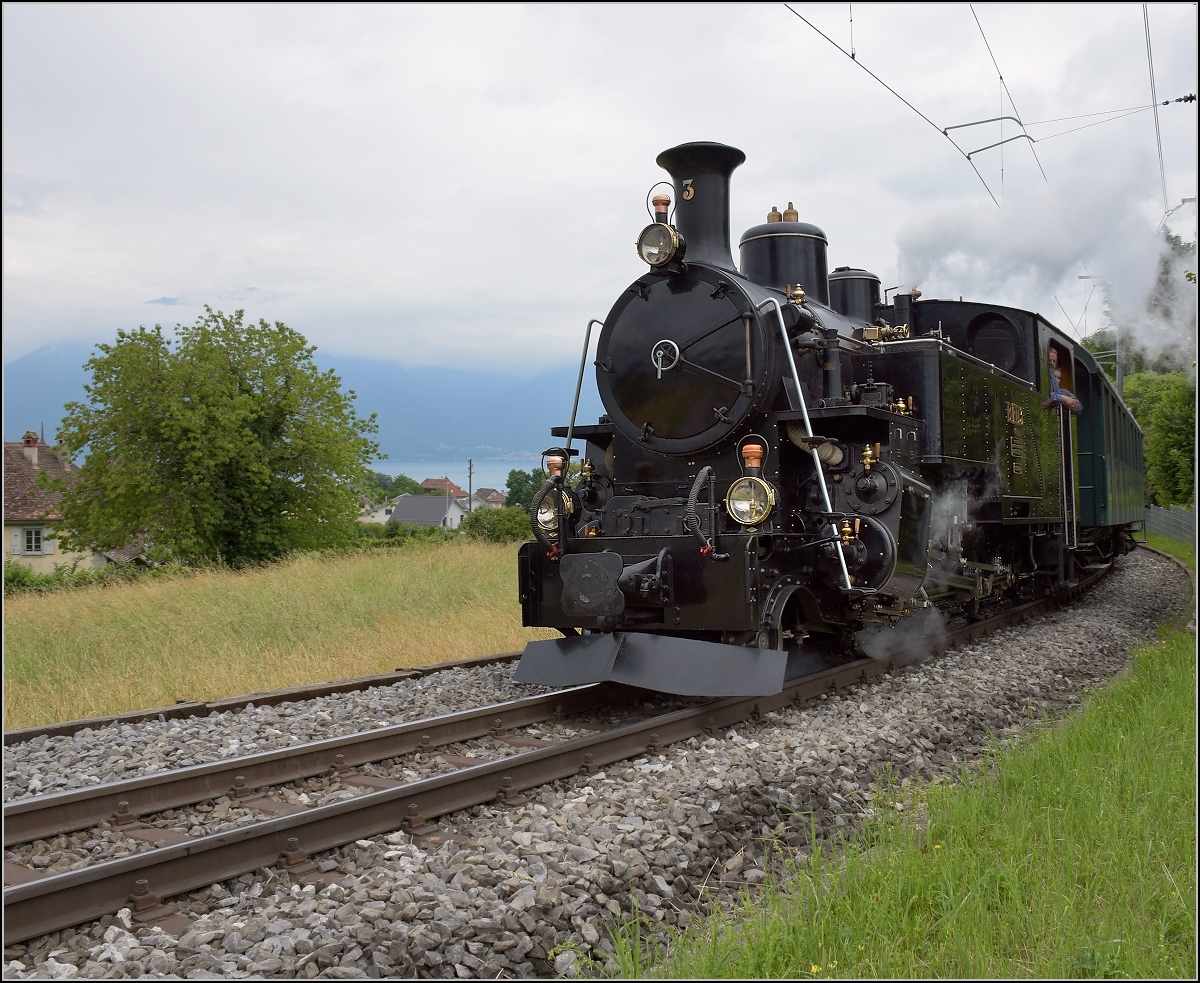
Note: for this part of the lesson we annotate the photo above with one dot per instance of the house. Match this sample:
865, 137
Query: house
31, 514
442, 486
428, 510
492, 498
377, 513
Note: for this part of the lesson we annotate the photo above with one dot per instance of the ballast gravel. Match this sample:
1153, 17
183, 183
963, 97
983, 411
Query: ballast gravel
534, 890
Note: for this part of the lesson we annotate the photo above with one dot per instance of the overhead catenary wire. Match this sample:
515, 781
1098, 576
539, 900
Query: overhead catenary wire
1011, 102
900, 97
1162, 172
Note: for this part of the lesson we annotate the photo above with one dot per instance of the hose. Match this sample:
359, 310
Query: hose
691, 518
533, 514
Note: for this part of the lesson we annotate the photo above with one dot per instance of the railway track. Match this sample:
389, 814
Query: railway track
191, 708
36, 904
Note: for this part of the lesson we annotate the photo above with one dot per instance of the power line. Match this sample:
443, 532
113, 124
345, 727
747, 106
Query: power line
1075, 129
898, 96
1162, 173
1004, 85
1107, 112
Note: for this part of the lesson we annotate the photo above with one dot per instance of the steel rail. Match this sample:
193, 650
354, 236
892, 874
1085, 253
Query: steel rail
59, 901
191, 708
42, 816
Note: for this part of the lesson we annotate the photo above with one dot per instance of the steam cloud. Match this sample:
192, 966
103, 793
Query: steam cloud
913, 639
1038, 244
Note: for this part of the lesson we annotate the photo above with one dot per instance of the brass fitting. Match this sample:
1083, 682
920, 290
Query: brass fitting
875, 333
869, 456
847, 532
794, 293
586, 469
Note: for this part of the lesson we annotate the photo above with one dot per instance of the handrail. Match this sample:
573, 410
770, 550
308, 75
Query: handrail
808, 432
587, 340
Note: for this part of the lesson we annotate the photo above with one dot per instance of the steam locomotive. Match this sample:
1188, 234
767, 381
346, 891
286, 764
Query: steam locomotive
788, 459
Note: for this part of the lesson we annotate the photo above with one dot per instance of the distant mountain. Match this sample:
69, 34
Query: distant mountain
423, 413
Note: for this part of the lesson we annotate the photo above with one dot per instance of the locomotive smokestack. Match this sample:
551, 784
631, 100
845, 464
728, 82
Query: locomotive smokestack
701, 174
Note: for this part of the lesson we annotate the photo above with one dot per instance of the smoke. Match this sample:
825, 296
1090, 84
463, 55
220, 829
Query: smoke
1162, 331
1093, 222
913, 639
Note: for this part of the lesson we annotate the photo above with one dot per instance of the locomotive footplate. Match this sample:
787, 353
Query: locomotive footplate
656, 662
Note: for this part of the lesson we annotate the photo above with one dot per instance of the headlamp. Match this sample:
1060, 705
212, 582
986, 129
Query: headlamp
547, 516
750, 501
659, 244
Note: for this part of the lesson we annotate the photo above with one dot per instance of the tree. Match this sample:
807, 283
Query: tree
227, 444
389, 486
523, 485
507, 525
1164, 406
402, 484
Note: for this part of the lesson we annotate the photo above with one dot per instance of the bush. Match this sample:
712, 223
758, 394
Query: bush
19, 579
402, 530
510, 525
372, 530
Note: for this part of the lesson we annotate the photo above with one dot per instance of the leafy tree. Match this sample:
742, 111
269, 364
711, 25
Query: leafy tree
389, 486
402, 484
1164, 406
507, 525
380, 483
227, 444
523, 485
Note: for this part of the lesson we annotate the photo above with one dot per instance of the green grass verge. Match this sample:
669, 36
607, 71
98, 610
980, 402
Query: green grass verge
1177, 548
1074, 855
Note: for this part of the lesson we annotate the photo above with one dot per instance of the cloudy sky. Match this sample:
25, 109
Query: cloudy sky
462, 185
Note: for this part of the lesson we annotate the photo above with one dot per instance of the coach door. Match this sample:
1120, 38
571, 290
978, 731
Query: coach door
1066, 446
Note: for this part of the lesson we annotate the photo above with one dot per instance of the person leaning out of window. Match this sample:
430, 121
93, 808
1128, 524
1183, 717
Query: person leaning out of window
1058, 395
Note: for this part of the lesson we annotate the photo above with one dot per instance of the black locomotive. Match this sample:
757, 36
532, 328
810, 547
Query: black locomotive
786, 456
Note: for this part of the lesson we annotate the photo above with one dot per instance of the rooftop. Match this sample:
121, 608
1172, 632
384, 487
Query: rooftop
24, 501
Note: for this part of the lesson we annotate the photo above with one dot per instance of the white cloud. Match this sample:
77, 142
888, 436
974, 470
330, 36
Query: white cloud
463, 184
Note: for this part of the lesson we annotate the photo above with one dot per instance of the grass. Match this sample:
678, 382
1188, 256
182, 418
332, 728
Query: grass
1177, 548
89, 652
1073, 855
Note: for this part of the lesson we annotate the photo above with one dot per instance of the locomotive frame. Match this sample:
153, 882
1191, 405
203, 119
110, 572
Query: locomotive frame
784, 456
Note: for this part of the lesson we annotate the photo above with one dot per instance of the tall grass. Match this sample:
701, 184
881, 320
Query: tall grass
90, 652
1074, 857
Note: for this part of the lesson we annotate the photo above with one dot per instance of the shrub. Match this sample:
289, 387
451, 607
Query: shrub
510, 525
19, 579
402, 530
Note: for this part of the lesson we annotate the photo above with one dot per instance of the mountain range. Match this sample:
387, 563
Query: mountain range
424, 413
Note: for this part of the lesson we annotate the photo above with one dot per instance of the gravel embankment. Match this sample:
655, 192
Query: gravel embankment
532, 890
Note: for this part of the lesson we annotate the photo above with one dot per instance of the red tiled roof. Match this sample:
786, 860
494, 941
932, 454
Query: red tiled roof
441, 484
23, 500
